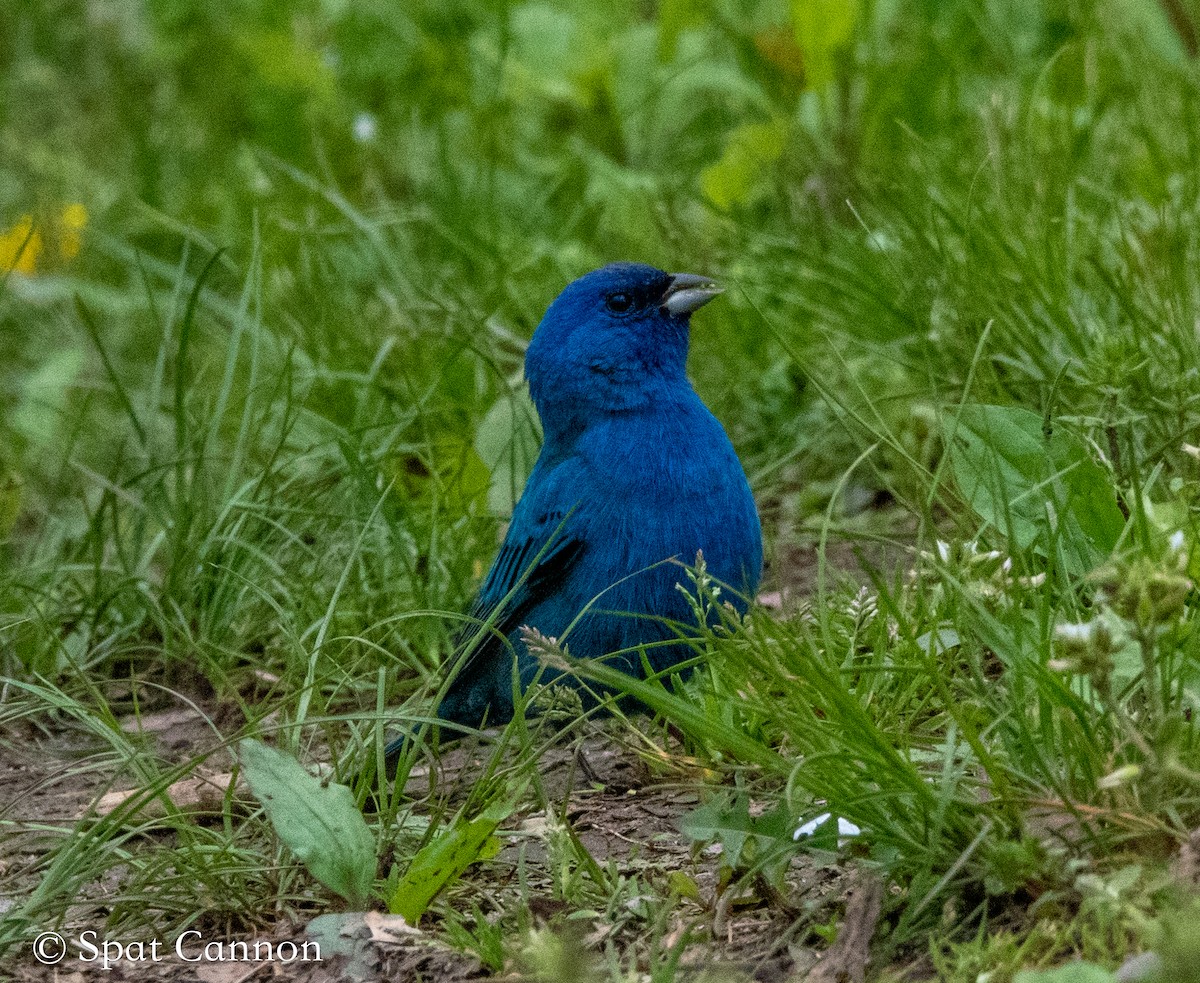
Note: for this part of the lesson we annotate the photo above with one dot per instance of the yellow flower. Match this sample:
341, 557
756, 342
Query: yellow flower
20, 247
74, 218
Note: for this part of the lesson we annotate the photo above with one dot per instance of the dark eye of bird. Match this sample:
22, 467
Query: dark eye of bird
618, 303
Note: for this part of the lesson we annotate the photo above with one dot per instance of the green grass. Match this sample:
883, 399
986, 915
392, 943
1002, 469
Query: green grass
258, 435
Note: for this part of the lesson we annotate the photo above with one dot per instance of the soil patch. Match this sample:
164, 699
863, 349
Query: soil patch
606, 795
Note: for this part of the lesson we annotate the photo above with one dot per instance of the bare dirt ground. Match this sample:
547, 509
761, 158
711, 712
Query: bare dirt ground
626, 816
628, 819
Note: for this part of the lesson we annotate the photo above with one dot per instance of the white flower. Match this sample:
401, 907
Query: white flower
1080, 634
365, 127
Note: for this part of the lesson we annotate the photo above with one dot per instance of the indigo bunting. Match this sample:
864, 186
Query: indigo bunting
634, 470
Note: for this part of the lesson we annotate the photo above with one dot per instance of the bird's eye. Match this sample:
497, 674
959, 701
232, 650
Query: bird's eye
618, 303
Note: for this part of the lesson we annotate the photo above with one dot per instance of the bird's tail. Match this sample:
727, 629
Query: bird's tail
463, 711
395, 748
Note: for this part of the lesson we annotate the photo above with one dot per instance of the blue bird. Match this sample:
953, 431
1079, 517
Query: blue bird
634, 470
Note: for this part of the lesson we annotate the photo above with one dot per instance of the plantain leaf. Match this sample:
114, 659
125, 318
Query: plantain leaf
319, 822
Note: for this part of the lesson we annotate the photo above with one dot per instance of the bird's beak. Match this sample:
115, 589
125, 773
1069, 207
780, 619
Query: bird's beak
688, 292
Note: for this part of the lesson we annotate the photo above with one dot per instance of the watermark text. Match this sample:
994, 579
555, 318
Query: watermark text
92, 949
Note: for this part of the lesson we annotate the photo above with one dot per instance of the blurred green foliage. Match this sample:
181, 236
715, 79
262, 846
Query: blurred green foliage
909, 199
266, 275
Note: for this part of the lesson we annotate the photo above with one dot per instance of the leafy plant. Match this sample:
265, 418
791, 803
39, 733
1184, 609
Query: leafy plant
1033, 481
761, 842
445, 858
318, 821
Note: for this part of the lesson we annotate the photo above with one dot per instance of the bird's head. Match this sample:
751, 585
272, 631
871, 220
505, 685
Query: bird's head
614, 339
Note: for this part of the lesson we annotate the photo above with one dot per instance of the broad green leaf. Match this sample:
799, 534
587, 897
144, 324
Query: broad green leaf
683, 885
40, 413
740, 175
319, 822
823, 29
544, 60
1043, 491
507, 443
444, 859
728, 821
285, 62
1079, 972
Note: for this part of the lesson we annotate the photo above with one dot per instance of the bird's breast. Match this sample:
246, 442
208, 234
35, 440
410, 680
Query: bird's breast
664, 486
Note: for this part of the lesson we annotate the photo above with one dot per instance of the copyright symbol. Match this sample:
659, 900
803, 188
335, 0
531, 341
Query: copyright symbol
49, 948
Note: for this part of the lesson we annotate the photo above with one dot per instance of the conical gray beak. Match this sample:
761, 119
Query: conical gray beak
688, 292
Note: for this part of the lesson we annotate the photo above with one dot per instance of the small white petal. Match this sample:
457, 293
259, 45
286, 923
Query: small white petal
810, 827
1081, 632
880, 242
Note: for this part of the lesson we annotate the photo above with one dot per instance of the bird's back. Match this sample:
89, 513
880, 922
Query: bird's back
644, 492
635, 477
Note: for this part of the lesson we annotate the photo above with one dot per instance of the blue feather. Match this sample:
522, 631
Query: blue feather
634, 471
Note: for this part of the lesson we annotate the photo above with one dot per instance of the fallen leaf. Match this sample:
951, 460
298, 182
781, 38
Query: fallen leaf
389, 929
195, 794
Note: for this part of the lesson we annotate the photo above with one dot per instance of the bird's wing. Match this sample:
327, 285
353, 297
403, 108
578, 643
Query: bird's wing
544, 541
532, 560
